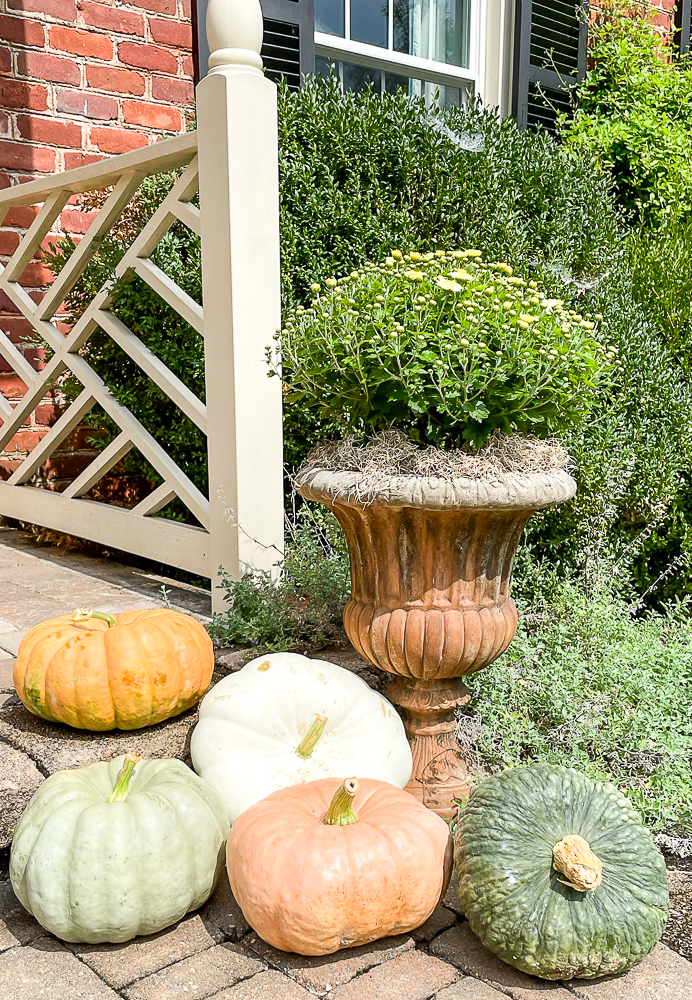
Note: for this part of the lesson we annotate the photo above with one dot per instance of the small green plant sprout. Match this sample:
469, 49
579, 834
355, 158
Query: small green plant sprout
443, 345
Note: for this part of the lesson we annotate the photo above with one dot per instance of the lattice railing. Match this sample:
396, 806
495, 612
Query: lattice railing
241, 416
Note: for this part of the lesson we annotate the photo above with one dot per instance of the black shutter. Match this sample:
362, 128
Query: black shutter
288, 49
683, 26
550, 41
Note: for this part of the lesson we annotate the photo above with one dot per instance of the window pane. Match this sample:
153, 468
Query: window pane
323, 67
359, 77
370, 21
329, 17
392, 83
433, 29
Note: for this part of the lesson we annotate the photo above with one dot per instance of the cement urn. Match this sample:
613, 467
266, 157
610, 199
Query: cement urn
431, 568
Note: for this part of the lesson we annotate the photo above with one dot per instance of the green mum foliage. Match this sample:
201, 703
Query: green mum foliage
444, 345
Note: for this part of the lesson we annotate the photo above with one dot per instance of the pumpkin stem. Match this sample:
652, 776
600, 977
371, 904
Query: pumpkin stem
340, 812
121, 789
309, 741
574, 858
84, 614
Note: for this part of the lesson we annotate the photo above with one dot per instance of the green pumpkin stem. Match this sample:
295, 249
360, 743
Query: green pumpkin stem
311, 738
121, 789
84, 614
340, 812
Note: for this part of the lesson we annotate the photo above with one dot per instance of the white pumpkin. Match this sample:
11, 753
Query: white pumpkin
285, 719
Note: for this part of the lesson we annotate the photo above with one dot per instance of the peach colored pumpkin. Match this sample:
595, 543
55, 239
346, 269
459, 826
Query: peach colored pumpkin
93, 671
310, 885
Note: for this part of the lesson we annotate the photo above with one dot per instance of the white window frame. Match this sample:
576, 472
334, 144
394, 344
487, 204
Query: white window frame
376, 57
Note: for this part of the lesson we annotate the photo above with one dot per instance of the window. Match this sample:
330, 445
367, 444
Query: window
429, 47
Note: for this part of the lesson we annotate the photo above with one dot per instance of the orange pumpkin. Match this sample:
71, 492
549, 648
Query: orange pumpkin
329, 865
97, 672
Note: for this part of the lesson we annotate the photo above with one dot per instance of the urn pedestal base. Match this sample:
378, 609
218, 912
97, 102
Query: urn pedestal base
440, 773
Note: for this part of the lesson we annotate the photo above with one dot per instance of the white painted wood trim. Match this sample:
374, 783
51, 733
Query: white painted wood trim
181, 545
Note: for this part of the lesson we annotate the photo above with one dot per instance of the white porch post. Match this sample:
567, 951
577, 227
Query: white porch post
239, 201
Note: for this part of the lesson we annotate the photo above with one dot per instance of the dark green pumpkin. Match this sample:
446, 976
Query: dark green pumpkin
514, 898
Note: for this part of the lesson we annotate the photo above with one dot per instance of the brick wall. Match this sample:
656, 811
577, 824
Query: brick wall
79, 80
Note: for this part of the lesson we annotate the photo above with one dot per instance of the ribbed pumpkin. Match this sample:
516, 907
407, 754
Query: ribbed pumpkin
557, 874
330, 864
111, 850
93, 671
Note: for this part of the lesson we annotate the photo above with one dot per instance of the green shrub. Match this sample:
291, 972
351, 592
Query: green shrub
444, 346
634, 113
363, 173
302, 606
585, 685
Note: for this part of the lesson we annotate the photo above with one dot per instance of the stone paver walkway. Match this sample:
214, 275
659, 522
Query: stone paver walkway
214, 953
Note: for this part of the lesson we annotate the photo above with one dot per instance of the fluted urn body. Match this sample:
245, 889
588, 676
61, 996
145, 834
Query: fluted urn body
431, 569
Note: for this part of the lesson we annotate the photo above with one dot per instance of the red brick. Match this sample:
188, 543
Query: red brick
22, 216
66, 466
46, 414
40, 66
122, 81
81, 43
50, 130
158, 6
147, 57
61, 10
21, 31
79, 102
20, 156
7, 467
15, 94
24, 440
17, 327
171, 33
80, 159
152, 115
35, 275
9, 241
117, 140
74, 221
99, 15
12, 387
5, 60
188, 66
4, 123
174, 91
186, 8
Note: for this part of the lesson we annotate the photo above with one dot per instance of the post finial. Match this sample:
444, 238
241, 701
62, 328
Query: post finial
234, 33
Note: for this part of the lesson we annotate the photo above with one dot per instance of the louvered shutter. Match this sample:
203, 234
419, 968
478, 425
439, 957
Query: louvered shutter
288, 48
550, 41
683, 26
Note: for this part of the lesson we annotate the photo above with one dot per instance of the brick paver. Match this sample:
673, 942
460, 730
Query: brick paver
461, 947
412, 976
122, 964
16, 926
197, 977
440, 920
43, 970
223, 911
266, 986
663, 975
470, 989
326, 972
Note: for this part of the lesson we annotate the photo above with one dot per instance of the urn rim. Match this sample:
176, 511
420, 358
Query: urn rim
517, 491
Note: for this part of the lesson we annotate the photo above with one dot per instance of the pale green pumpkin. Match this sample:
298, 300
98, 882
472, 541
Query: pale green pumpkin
113, 850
